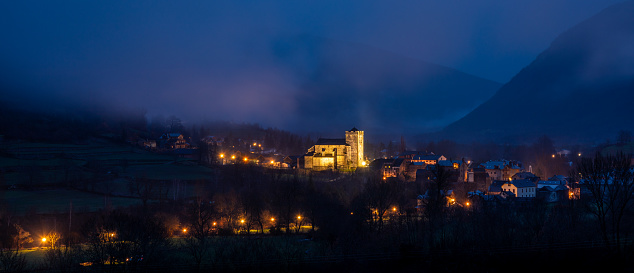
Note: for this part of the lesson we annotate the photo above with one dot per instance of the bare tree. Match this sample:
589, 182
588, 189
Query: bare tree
200, 216
610, 181
380, 197
624, 137
142, 187
11, 260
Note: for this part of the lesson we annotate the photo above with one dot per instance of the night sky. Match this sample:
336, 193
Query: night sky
192, 59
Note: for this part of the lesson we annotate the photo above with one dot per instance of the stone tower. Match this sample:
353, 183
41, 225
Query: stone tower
354, 138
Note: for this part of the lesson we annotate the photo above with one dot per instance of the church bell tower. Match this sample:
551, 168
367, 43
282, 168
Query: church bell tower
354, 138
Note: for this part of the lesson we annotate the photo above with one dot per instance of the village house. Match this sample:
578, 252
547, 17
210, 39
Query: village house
525, 175
430, 159
502, 169
520, 188
173, 141
479, 177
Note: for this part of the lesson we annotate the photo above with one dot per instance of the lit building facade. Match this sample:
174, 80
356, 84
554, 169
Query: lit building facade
337, 153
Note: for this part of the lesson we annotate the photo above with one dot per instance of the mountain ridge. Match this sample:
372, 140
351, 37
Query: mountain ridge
581, 80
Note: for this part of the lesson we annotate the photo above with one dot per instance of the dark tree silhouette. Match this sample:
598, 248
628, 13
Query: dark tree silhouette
610, 181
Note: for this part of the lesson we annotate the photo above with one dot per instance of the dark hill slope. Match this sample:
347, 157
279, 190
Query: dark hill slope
345, 84
579, 89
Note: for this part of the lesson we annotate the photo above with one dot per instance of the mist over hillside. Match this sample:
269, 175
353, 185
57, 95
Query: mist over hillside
579, 89
342, 84
303, 84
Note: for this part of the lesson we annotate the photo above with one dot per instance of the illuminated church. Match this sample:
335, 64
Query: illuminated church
336, 153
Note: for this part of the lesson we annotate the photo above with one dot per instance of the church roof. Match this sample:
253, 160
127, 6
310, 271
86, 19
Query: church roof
331, 141
354, 129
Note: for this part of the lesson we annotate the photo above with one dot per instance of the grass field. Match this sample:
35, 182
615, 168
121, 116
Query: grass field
39, 167
170, 171
58, 201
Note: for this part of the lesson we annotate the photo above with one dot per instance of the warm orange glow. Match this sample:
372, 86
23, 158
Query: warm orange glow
579, 154
255, 144
222, 155
233, 157
272, 162
43, 239
299, 217
259, 145
351, 213
363, 163
242, 221
394, 209
184, 230
384, 178
553, 156
245, 159
111, 234
467, 204
214, 223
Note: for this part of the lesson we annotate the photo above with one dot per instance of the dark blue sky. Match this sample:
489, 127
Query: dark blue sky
170, 53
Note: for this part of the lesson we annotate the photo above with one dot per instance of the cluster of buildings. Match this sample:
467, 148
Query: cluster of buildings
494, 179
491, 179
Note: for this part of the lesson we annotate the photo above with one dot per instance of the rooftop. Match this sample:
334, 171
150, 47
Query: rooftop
331, 141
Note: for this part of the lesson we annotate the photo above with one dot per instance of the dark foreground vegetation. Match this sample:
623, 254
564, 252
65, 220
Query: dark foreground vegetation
105, 207
246, 218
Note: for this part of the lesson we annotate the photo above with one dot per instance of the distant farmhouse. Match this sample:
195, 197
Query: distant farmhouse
173, 141
336, 153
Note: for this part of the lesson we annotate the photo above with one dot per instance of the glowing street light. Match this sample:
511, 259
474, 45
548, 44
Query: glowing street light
43, 240
184, 230
245, 159
299, 217
394, 209
467, 204
242, 221
553, 155
272, 219
222, 155
233, 157
272, 162
214, 223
